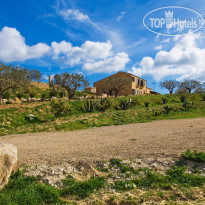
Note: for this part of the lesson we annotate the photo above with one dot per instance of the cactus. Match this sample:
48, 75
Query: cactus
124, 104
90, 105
164, 100
103, 104
146, 104
167, 109
183, 98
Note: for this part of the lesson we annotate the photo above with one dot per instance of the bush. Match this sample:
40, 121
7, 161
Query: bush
32, 95
7, 95
133, 103
19, 95
164, 100
53, 93
103, 104
195, 156
203, 97
146, 104
61, 94
89, 106
60, 107
186, 105
43, 96
183, 98
156, 112
167, 109
124, 104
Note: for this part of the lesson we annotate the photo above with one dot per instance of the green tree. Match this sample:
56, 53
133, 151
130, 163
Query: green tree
169, 85
189, 85
15, 78
71, 82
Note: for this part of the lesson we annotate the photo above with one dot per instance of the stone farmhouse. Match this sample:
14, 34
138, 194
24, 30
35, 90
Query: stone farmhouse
134, 85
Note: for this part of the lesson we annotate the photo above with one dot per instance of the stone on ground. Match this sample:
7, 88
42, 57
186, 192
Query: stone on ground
8, 160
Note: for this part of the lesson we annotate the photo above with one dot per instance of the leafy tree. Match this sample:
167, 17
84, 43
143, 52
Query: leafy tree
15, 78
180, 90
115, 84
169, 85
189, 85
71, 82
200, 89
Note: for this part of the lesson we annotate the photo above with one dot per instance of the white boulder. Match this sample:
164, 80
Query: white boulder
8, 160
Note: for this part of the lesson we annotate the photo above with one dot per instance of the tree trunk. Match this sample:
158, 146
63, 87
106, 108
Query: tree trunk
171, 91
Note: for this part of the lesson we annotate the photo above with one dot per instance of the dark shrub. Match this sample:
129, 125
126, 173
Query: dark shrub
60, 107
103, 104
183, 98
89, 106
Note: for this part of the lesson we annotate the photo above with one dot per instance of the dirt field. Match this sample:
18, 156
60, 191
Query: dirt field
158, 138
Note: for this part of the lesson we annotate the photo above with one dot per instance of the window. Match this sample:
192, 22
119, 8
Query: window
133, 91
133, 79
141, 92
142, 83
138, 81
137, 92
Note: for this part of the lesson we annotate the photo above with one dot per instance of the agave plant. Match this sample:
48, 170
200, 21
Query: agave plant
146, 104
89, 106
183, 98
167, 109
103, 104
164, 100
124, 104
133, 102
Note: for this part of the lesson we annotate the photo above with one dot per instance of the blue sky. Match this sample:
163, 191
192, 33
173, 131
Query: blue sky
98, 38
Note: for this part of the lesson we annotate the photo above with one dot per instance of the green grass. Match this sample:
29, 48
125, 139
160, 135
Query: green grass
82, 189
14, 120
24, 190
147, 179
194, 156
27, 190
144, 184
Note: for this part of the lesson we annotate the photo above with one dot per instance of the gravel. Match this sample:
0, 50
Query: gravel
168, 138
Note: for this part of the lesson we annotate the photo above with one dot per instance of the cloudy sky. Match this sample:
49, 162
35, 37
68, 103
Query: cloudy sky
98, 38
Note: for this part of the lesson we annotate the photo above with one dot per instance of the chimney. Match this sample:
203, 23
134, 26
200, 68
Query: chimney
50, 79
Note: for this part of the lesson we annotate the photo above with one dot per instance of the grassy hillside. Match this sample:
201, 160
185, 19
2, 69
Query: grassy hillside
76, 114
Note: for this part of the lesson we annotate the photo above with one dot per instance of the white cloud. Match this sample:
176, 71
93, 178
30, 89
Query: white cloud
184, 60
121, 16
89, 51
92, 56
110, 34
167, 40
108, 65
95, 57
158, 47
74, 14
14, 48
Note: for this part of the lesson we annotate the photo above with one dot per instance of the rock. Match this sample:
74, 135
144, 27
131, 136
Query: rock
23, 100
4, 101
17, 100
31, 117
8, 160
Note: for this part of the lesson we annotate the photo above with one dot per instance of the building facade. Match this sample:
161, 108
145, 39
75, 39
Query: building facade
131, 85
